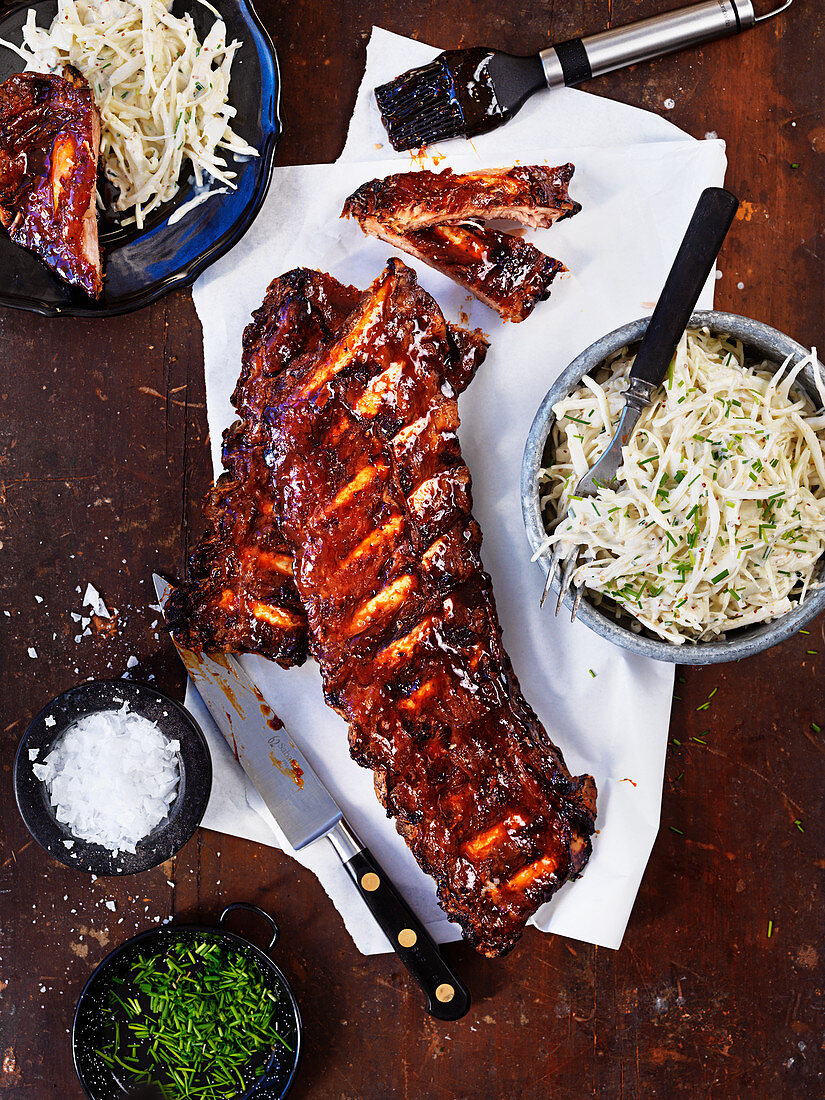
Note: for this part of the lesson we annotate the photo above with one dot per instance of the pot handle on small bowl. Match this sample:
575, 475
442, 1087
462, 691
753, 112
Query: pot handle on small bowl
256, 909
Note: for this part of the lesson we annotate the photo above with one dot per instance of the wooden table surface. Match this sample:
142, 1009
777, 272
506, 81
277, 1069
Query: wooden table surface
103, 460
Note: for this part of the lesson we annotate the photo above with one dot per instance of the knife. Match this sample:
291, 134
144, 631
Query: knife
306, 812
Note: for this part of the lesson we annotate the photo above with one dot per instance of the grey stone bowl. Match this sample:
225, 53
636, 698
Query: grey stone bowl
760, 341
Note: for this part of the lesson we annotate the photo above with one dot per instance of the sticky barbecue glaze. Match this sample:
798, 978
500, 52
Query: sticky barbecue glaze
531, 194
49, 143
240, 596
433, 215
374, 499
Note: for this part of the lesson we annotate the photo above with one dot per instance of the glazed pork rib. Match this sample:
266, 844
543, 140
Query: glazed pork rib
49, 144
507, 273
433, 216
374, 499
533, 195
240, 595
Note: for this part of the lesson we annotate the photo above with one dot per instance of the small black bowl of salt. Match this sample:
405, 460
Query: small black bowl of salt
112, 777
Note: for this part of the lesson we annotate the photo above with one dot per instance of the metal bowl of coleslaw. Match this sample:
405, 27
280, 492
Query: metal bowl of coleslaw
761, 342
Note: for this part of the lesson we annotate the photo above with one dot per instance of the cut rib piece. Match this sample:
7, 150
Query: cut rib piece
374, 500
507, 273
240, 595
534, 195
49, 144
424, 214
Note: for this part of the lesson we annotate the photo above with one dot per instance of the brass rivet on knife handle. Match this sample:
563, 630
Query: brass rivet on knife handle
370, 881
445, 993
407, 938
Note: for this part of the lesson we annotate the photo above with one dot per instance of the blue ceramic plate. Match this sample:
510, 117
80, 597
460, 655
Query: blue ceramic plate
141, 265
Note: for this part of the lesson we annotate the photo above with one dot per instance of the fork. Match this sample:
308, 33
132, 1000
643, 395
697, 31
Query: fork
697, 253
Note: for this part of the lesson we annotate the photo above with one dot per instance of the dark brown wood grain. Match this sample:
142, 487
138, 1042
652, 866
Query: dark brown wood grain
103, 459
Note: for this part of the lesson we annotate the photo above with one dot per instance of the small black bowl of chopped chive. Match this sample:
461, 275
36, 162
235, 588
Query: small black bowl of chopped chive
188, 1012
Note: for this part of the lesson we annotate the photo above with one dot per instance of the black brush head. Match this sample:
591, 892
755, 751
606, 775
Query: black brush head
460, 94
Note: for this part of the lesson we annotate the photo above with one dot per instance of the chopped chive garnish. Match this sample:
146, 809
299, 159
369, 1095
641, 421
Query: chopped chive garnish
673, 829
720, 576
200, 1021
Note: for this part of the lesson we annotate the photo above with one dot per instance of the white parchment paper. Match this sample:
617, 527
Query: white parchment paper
638, 179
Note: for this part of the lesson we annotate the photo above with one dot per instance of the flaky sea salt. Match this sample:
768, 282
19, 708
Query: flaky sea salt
112, 777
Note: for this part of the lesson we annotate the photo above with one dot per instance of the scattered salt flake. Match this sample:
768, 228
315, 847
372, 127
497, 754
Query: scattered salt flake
50, 720
740, 286
32, 652
669, 104
93, 599
39, 599
131, 661
68, 844
76, 617
111, 906
33, 754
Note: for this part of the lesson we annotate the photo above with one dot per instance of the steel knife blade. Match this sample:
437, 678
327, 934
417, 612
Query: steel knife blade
306, 811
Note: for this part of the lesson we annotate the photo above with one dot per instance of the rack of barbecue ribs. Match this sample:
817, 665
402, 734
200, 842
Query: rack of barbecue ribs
436, 216
373, 498
49, 144
342, 522
240, 596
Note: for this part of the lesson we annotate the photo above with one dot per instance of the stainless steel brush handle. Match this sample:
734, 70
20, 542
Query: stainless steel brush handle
579, 59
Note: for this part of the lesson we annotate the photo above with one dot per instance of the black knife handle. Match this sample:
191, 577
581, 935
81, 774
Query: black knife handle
447, 996
703, 239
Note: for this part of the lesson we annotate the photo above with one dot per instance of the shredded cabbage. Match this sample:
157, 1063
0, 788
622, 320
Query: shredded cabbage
719, 518
163, 95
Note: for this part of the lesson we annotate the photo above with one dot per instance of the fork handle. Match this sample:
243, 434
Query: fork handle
697, 253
